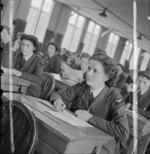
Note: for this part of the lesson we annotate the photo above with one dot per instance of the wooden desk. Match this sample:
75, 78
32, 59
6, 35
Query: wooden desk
59, 137
62, 83
143, 133
18, 84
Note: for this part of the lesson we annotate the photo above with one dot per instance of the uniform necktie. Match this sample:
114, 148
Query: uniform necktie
91, 99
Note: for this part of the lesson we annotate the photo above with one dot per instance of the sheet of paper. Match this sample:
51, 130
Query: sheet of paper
69, 118
56, 76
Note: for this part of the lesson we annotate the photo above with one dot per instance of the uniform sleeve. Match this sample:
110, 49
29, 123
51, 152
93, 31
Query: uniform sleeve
36, 76
117, 126
69, 94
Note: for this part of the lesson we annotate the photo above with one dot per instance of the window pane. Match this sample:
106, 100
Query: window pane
80, 22
131, 63
48, 4
68, 36
86, 42
97, 30
112, 44
42, 25
111, 37
75, 40
93, 44
145, 61
126, 52
130, 49
90, 27
31, 21
73, 18
36, 3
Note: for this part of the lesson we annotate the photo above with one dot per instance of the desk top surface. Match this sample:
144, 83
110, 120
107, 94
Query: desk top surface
62, 128
5, 79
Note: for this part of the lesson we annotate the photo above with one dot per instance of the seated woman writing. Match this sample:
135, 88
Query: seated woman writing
28, 65
143, 104
106, 109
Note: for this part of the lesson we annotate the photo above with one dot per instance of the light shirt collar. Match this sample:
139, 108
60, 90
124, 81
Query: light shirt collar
28, 56
97, 91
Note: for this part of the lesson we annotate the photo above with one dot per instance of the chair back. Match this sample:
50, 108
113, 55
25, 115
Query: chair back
48, 85
24, 129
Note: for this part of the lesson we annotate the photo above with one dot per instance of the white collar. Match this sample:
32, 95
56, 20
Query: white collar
97, 91
28, 56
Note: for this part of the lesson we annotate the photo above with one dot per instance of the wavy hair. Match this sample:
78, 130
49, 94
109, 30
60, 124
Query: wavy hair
109, 67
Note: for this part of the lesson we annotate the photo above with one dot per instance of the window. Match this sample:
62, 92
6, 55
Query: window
38, 18
91, 37
131, 63
146, 58
73, 32
126, 52
112, 44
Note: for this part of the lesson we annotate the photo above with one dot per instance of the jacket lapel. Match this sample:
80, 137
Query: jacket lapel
98, 99
28, 62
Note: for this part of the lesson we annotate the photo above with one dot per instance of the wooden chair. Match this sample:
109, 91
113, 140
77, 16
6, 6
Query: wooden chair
48, 85
25, 129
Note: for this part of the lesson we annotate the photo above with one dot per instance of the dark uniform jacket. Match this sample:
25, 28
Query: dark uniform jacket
32, 70
143, 104
53, 64
107, 108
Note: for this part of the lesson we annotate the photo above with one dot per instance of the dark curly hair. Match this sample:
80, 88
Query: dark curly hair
33, 39
109, 67
55, 45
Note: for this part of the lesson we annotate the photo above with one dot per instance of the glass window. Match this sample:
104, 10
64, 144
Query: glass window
38, 18
73, 32
132, 60
72, 19
36, 3
31, 21
112, 44
126, 52
47, 6
90, 27
146, 58
91, 38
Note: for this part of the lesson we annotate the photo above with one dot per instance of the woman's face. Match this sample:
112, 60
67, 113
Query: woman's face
95, 75
143, 84
51, 50
27, 47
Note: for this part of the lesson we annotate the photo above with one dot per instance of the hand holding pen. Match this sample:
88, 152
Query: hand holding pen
59, 105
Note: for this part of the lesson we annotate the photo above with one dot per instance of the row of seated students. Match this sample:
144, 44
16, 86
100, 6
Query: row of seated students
95, 99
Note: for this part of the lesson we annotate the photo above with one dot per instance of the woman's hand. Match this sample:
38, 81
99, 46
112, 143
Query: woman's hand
83, 114
59, 105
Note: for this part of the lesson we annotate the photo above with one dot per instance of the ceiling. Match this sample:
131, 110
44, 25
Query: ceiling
119, 16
